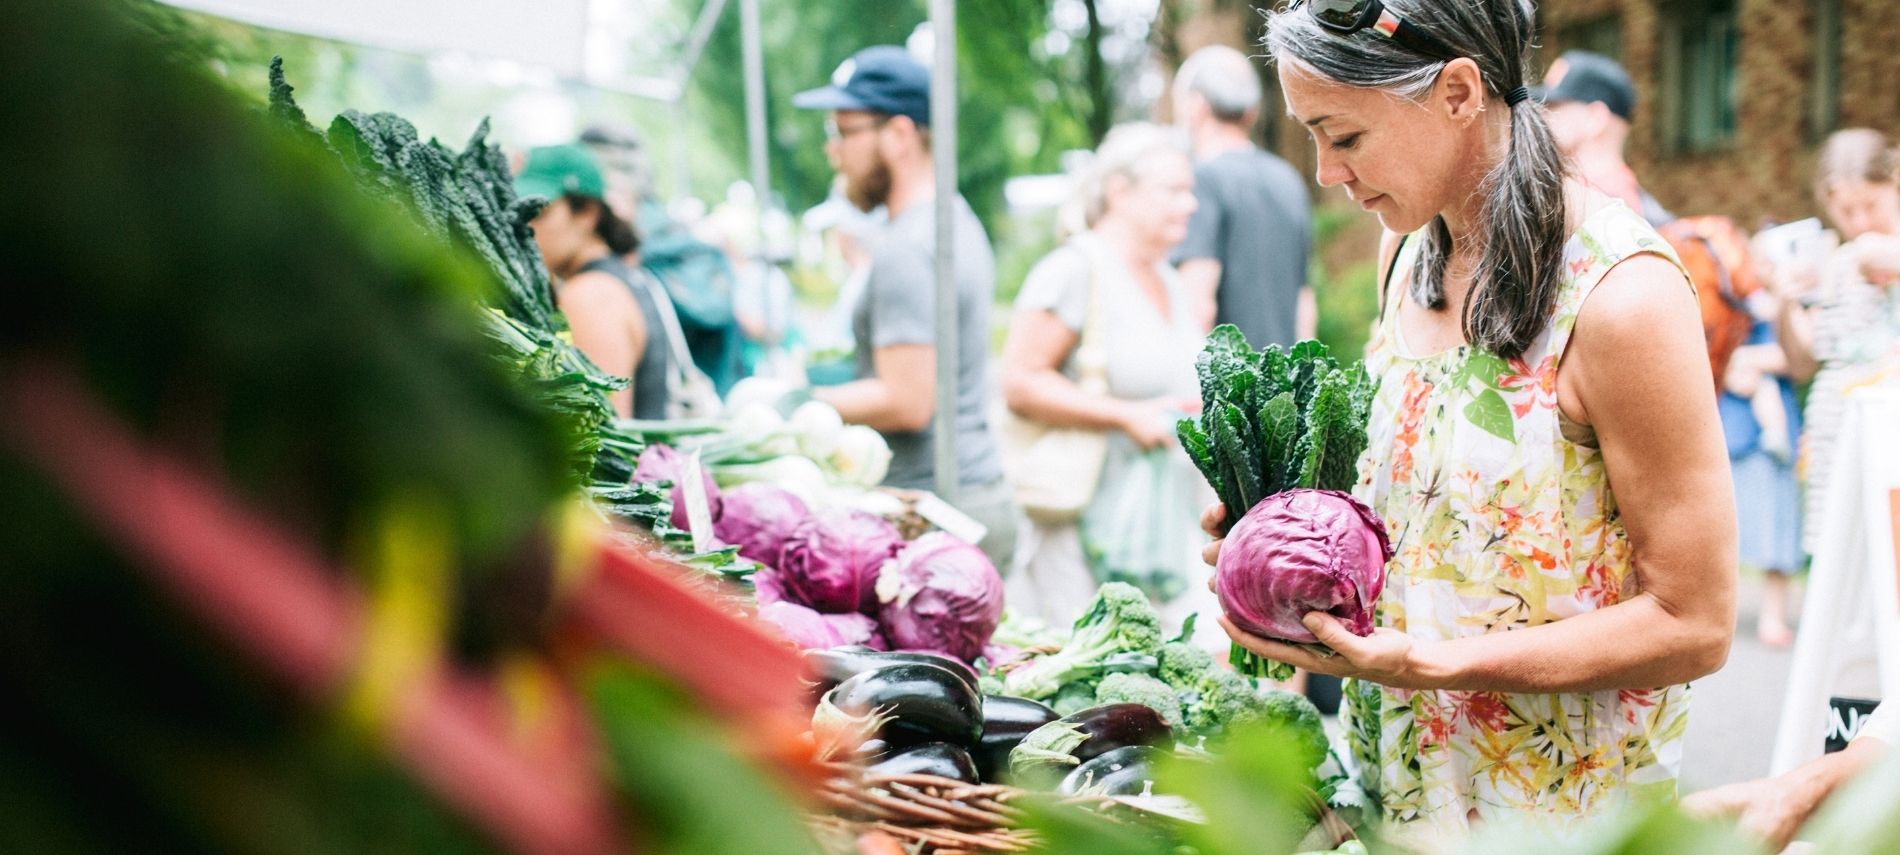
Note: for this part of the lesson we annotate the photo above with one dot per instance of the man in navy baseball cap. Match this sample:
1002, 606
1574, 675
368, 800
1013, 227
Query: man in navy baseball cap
880, 79
878, 139
1582, 77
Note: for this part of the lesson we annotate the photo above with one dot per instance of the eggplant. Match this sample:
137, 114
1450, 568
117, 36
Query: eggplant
1052, 750
1005, 722
828, 668
903, 705
1122, 772
931, 758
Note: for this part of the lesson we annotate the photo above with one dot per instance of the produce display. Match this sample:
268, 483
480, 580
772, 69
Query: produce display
1137, 699
1279, 438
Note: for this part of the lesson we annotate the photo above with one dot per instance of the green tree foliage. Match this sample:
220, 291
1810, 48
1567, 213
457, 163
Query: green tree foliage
1018, 111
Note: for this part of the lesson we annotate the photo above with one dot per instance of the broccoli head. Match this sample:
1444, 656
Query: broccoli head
1073, 698
1141, 689
1228, 700
1120, 620
1182, 665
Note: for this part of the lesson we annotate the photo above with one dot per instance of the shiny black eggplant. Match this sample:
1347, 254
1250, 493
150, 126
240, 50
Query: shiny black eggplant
904, 705
828, 668
1111, 726
1122, 772
1005, 722
931, 758
1051, 751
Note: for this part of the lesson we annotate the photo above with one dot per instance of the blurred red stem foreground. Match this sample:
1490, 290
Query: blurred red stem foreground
302, 622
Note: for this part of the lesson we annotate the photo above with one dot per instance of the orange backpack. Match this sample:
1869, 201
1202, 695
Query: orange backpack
1715, 252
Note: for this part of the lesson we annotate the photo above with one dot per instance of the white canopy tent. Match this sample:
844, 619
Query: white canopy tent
554, 34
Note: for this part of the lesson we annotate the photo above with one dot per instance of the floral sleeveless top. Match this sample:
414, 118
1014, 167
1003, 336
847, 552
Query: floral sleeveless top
1502, 518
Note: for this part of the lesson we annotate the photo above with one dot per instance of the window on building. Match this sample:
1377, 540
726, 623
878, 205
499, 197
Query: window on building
1600, 35
1824, 87
1701, 43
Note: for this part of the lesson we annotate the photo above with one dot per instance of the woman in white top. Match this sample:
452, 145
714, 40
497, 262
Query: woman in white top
1137, 198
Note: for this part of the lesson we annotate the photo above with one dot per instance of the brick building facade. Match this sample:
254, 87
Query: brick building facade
1737, 95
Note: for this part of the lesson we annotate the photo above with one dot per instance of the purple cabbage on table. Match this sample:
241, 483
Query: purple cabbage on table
758, 518
941, 594
767, 587
661, 463
830, 562
1302, 551
810, 630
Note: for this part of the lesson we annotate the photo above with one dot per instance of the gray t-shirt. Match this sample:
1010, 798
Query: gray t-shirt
1255, 219
899, 306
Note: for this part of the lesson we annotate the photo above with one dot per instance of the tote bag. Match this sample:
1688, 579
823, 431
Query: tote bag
1053, 471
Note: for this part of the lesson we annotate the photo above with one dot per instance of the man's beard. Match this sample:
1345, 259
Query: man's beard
870, 190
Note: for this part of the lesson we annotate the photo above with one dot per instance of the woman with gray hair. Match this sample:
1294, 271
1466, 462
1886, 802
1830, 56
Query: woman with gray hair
1544, 447
1102, 339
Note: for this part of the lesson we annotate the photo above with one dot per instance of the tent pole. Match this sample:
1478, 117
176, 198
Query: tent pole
943, 134
755, 108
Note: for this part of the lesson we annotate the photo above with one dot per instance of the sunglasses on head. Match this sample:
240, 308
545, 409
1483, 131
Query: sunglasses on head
1346, 17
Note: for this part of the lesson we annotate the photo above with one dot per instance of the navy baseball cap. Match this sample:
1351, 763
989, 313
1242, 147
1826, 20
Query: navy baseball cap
1590, 77
880, 79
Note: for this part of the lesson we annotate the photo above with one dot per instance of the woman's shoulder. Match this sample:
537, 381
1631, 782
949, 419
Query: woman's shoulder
1637, 306
1069, 256
1057, 276
597, 290
1608, 230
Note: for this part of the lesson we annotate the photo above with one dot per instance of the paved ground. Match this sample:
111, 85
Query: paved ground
1736, 710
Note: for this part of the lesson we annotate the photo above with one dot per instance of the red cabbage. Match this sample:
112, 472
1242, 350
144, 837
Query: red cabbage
661, 463
810, 630
757, 518
1302, 551
942, 595
767, 588
831, 561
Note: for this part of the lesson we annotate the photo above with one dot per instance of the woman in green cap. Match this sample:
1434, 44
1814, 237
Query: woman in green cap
610, 306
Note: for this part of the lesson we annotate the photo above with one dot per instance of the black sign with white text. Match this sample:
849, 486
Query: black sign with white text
1845, 717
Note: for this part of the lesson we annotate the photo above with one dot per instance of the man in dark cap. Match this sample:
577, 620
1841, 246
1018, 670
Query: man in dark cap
879, 141
1591, 103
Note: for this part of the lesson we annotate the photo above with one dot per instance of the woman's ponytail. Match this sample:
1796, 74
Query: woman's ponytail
1524, 226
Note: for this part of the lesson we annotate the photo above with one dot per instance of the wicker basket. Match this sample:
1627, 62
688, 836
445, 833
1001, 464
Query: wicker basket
942, 816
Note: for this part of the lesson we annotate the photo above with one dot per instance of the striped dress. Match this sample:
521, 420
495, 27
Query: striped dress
1856, 325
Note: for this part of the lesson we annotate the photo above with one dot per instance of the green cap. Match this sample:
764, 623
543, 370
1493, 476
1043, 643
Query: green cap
560, 170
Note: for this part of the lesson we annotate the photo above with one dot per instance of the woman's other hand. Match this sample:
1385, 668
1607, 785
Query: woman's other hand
1214, 522
1150, 423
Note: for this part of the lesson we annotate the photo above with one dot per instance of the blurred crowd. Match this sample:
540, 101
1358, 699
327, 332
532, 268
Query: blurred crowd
1065, 444
1097, 362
